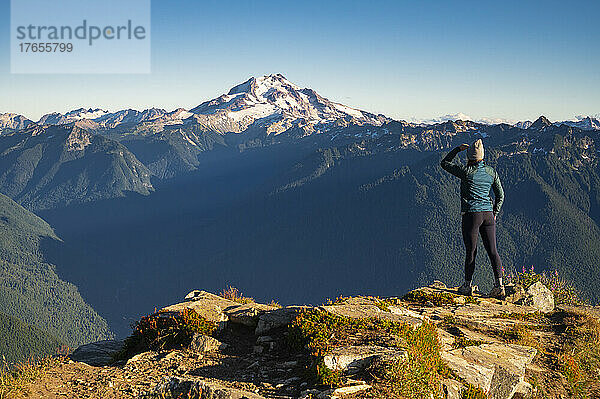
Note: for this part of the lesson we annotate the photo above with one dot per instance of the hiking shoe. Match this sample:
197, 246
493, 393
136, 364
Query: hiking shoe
498, 292
466, 289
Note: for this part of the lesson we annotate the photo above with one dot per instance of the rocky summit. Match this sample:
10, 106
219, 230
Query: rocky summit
430, 343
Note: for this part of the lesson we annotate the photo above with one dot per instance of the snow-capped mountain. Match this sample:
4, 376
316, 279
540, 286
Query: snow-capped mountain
273, 97
56, 118
100, 119
115, 119
581, 122
585, 123
13, 121
270, 99
523, 124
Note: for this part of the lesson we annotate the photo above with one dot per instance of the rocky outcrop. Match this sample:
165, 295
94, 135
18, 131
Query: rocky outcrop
365, 308
485, 343
496, 368
98, 353
220, 310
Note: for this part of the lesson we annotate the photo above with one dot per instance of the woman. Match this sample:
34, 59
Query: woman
478, 211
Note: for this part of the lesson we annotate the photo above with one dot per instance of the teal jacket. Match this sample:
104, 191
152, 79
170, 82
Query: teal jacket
475, 184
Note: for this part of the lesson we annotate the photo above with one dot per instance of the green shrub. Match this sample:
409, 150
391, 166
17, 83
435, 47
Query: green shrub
318, 331
435, 297
165, 331
473, 392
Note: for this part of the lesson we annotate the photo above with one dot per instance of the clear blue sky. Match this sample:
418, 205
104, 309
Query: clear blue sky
406, 59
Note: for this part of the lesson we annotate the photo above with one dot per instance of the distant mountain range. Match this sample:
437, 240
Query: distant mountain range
273, 181
90, 154
267, 97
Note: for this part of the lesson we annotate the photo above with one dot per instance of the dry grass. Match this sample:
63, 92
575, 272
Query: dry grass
233, 294
14, 381
436, 298
520, 334
579, 358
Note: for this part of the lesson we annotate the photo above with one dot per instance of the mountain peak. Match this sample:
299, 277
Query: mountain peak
541, 123
274, 96
261, 85
13, 121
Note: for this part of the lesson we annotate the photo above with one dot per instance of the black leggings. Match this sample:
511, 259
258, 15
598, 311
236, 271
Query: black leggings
484, 223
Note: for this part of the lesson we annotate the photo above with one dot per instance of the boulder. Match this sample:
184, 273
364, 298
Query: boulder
203, 343
220, 310
523, 390
352, 359
247, 314
540, 297
277, 318
97, 353
207, 305
537, 296
499, 369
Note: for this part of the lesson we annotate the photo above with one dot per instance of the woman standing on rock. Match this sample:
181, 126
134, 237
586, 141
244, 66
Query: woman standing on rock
478, 211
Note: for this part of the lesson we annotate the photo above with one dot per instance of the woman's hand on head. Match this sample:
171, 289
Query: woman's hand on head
463, 147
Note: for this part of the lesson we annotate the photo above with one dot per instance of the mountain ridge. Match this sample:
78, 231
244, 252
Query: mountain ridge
282, 93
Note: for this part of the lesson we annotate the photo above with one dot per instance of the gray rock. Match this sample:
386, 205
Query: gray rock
540, 297
523, 390
439, 285
203, 343
352, 359
277, 318
207, 305
499, 369
537, 296
247, 314
98, 353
